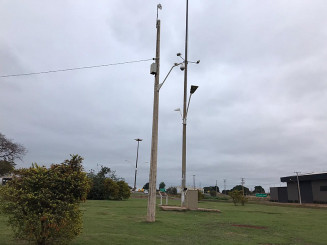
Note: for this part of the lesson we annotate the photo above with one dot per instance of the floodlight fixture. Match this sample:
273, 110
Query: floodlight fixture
193, 89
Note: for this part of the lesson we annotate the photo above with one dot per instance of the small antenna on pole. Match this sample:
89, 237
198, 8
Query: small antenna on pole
158, 7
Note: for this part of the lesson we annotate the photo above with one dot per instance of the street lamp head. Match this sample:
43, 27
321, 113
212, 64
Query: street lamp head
159, 6
193, 89
198, 62
138, 139
179, 54
177, 109
182, 66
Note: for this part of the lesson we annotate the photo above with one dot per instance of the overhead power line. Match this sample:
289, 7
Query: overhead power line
75, 68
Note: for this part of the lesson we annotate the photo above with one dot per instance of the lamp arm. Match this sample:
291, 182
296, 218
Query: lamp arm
188, 105
160, 85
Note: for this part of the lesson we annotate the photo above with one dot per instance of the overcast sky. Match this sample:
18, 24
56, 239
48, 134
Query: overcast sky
259, 113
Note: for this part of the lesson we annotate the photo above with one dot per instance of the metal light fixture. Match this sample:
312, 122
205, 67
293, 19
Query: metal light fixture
193, 89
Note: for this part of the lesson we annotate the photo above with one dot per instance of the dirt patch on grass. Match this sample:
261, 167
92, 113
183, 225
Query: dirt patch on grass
262, 212
251, 226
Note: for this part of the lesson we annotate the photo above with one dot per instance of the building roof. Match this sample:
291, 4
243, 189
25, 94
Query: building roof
305, 177
279, 187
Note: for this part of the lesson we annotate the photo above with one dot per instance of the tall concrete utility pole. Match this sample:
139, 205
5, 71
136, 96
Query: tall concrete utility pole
298, 187
184, 115
137, 157
151, 210
243, 181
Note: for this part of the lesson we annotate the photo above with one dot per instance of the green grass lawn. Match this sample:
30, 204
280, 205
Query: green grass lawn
123, 222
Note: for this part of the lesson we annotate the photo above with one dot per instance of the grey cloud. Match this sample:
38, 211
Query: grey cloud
258, 112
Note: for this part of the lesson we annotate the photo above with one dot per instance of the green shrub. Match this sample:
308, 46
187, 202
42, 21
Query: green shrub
105, 185
124, 191
238, 197
43, 204
111, 189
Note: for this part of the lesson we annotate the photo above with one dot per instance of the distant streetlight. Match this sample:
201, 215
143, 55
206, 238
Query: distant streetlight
137, 157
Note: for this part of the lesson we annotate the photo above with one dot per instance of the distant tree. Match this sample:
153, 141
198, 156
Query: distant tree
209, 188
259, 189
43, 203
213, 193
106, 185
6, 167
146, 186
225, 192
9, 152
172, 190
239, 188
162, 185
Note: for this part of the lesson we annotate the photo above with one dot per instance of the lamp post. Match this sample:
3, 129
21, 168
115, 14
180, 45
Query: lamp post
186, 108
137, 157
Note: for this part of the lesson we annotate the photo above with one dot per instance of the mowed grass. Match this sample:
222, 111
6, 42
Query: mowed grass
123, 222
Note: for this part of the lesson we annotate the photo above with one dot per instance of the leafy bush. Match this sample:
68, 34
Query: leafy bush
105, 185
238, 197
111, 189
124, 191
43, 204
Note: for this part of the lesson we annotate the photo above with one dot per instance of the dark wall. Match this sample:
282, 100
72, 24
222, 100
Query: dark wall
306, 192
319, 195
282, 194
278, 194
274, 194
292, 192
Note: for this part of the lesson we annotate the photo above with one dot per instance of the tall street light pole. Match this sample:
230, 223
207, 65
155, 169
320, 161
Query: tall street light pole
151, 209
137, 157
184, 115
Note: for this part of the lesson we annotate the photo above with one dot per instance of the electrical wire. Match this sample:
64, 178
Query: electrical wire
73, 69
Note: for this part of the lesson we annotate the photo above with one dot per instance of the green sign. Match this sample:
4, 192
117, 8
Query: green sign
162, 189
260, 195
